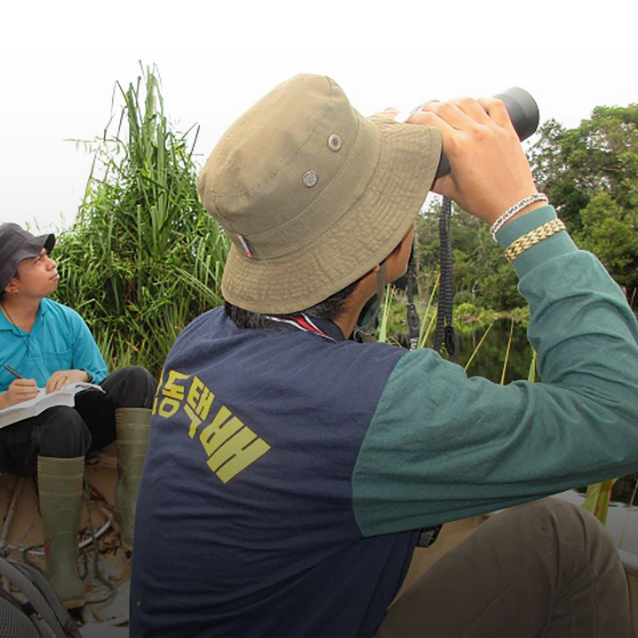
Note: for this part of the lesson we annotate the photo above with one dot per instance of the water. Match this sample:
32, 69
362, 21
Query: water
489, 360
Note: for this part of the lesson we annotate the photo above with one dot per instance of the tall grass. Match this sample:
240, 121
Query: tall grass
597, 499
143, 257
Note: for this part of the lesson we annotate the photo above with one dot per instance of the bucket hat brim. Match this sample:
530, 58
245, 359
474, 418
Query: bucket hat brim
364, 235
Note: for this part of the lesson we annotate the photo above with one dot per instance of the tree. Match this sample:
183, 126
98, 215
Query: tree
590, 174
610, 233
482, 275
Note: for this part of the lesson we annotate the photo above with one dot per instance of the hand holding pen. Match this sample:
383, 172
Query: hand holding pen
20, 390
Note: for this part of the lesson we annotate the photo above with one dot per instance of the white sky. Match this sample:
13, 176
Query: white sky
59, 62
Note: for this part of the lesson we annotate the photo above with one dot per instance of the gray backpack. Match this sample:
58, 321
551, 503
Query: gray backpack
41, 615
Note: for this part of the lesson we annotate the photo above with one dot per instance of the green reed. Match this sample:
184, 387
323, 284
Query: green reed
143, 258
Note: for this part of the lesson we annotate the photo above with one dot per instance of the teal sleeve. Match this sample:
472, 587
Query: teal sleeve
442, 446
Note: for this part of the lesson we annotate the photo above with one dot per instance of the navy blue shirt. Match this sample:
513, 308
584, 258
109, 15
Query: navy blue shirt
246, 503
286, 470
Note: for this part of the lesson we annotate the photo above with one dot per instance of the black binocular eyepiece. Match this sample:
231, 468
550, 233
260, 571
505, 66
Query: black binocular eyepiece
523, 112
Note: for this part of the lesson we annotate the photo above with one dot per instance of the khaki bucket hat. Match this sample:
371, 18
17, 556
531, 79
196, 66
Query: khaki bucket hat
312, 194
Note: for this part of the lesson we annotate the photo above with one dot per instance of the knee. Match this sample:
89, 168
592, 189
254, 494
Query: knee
588, 565
143, 378
131, 387
558, 514
62, 433
133, 374
551, 515
571, 527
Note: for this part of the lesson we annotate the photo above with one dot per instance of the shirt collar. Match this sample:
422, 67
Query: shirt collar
6, 325
323, 328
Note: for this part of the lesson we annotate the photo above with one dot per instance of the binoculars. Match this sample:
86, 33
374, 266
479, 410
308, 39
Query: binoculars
523, 112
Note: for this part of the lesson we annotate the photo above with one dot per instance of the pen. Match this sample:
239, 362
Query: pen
13, 372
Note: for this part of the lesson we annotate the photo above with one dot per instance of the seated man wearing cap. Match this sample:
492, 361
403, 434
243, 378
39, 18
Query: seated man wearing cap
290, 469
44, 344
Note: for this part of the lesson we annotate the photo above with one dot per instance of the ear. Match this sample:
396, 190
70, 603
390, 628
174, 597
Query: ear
12, 286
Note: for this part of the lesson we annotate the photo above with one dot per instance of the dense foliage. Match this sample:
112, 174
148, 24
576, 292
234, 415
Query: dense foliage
143, 257
482, 276
590, 174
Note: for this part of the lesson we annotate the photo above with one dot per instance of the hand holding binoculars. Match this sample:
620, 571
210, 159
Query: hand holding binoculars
522, 110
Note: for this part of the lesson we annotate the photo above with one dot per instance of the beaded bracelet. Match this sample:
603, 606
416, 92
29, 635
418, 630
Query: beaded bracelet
533, 237
510, 212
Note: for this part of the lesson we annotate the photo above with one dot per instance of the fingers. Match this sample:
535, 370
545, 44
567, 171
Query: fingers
429, 118
489, 169
24, 385
460, 114
22, 390
57, 381
495, 108
389, 113
458, 121
466, 113
62, 378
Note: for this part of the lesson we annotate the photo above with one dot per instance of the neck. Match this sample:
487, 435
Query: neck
19, 311
346, 324
360, 296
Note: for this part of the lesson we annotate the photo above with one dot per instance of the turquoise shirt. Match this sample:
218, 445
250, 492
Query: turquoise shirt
59, 340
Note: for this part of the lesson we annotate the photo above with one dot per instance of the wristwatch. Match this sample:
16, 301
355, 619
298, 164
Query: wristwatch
88, 374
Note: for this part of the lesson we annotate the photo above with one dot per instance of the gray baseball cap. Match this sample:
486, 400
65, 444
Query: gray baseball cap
17, 244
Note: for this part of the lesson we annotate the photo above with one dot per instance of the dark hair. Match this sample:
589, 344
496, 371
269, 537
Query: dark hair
331, 308
3, 292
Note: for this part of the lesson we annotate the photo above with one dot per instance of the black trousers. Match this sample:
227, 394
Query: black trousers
64, 432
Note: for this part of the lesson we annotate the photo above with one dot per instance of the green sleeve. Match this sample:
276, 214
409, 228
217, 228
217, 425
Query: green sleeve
442, 446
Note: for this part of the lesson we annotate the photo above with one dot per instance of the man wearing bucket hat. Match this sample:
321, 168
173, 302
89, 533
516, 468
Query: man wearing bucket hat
44, 344
290, 469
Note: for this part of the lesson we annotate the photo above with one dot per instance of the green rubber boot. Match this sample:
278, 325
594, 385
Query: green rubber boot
60, 484
133, 428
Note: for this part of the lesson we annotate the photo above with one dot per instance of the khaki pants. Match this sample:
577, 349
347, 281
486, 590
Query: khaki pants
543, 569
